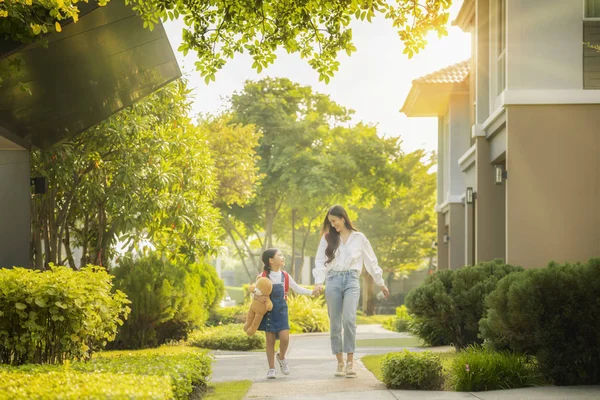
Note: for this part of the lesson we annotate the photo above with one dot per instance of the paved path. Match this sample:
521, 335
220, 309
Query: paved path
312, 378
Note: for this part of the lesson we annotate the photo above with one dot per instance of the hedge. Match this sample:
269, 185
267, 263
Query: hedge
183, 371
226, 337
80, 385
412, 371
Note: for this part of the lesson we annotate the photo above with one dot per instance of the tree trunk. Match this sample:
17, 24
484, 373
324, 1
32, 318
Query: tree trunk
67, 244
294, 246
368, 303
84, 239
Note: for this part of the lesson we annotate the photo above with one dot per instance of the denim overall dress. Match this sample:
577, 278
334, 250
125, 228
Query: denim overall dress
276, 320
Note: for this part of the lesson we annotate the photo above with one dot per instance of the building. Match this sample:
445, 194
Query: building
519, 136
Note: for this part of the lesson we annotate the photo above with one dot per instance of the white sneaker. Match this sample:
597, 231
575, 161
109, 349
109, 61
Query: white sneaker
339, 371
271, 373
283, 364
350, 373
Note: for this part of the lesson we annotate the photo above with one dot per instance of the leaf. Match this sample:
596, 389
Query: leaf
20, 306
57, 27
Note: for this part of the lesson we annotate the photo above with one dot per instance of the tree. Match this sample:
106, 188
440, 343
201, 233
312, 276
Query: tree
143, 173
233, 146
218, 30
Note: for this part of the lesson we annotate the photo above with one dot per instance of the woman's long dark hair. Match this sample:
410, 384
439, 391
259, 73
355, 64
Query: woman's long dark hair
331, 235
266, 256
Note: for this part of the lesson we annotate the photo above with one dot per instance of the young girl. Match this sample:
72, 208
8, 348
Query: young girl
275, 322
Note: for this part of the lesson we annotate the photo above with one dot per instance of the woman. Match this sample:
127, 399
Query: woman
340, 258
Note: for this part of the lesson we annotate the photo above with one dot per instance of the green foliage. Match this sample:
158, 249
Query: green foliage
401, 323
552, 313
216, 31
228, 315
412, 371
429, 331
307, 314
169, 299
184, 370
234, 390
144, 173
226, 337
402, 226
453, 301
477, 369
57, 315
67, 384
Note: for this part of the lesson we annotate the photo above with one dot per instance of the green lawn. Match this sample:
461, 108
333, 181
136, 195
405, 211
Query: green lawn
236, 293
373, 319
235, 390
373, 362
395, 342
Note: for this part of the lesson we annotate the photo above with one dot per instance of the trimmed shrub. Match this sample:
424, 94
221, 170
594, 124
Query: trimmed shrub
554, 314
184, 370
226, 337
169, 299
228, 315
412, 371
429, 331
57, 315
453, 301
477, 369
80, 385
307, 314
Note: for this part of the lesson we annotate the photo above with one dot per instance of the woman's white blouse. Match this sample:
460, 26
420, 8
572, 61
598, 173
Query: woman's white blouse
352, 255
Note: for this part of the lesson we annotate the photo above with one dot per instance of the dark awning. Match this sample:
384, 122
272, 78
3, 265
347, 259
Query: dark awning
89, 71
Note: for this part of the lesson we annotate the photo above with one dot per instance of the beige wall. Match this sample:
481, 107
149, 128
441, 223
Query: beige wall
442, 248
456, 231
553, 186
490, 205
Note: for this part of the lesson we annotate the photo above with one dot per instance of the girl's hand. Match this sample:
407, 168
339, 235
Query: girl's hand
262, 299
316, 292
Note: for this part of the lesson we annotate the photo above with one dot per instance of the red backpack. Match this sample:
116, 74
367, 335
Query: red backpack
286, 282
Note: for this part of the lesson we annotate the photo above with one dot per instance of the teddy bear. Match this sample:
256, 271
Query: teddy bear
263, 286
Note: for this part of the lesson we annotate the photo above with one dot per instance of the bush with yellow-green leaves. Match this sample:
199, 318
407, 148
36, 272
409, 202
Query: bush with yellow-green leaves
58, 314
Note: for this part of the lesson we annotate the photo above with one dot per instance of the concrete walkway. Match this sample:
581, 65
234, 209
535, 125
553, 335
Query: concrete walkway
312, 378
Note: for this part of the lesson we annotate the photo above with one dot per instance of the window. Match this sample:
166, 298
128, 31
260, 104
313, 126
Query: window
501, 44
591, 9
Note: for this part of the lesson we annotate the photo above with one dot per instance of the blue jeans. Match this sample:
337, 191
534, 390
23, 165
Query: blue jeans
342, 292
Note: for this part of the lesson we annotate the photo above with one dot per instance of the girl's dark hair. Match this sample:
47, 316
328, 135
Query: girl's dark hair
331, 235
266, 256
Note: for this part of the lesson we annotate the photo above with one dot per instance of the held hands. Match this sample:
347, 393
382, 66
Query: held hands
317, 290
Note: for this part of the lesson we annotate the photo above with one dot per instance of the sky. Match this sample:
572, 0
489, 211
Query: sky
374, 81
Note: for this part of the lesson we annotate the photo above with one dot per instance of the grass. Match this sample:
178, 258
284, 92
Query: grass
370, 320
234, 390
392, 342
373, 363
236, 293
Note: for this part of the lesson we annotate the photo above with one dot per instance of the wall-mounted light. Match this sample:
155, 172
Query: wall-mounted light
40, 185
446, 238
469, 196
499, 174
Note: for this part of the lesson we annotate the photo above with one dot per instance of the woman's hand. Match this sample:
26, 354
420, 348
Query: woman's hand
385, 291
